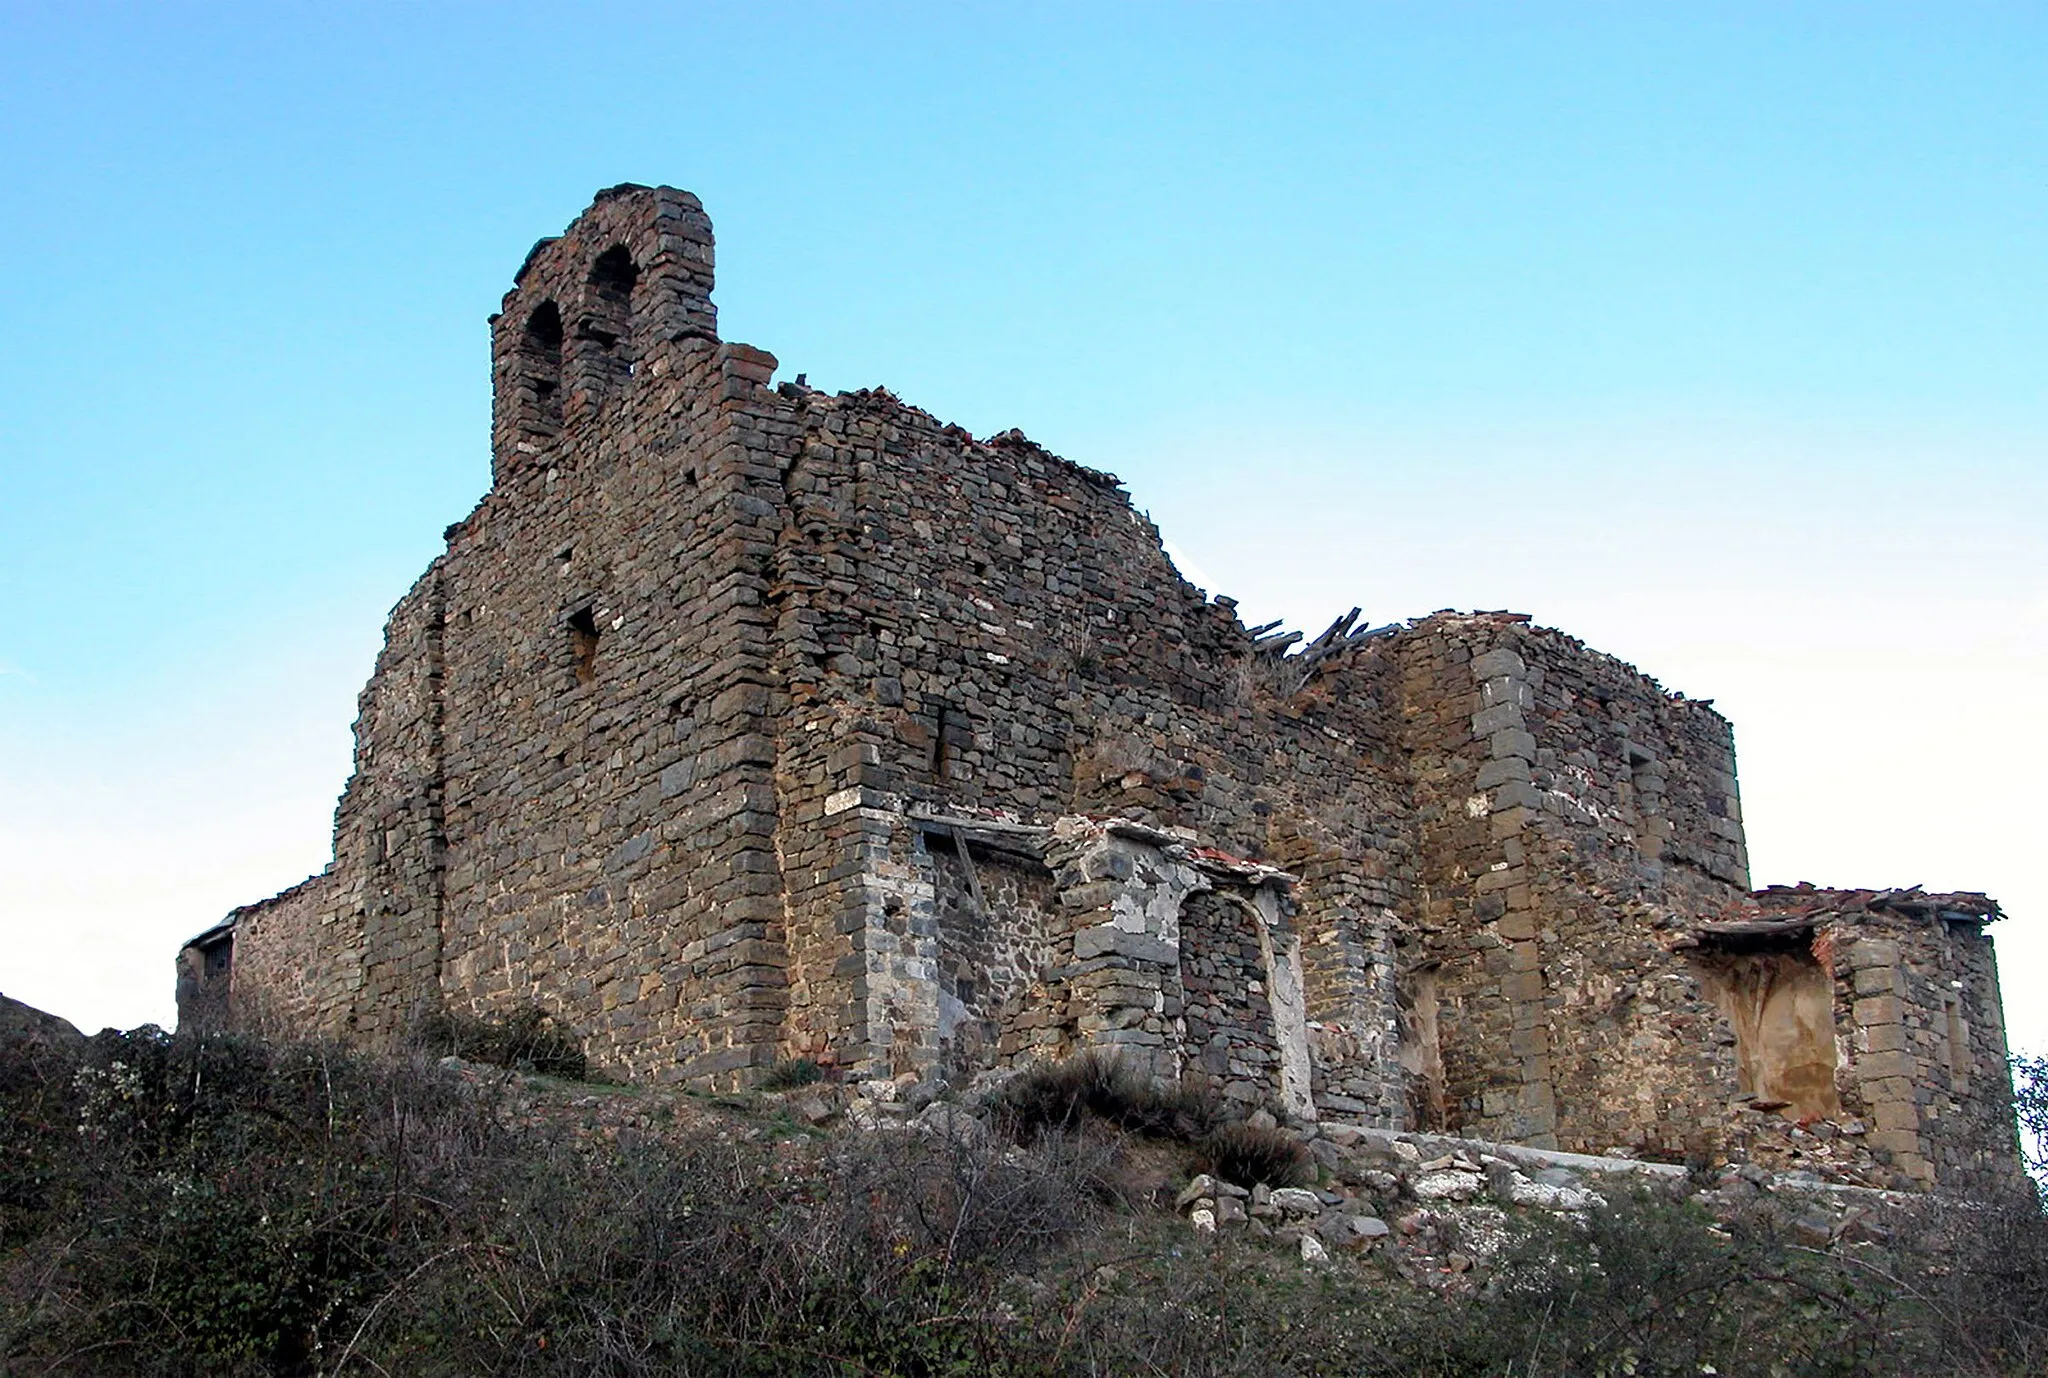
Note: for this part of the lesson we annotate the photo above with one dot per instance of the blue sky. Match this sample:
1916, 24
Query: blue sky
1713, 334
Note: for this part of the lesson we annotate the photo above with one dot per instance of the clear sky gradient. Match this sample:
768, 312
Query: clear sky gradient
1712, 334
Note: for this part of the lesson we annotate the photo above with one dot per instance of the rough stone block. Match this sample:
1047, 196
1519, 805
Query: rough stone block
1501, 660
1511, 741
1499, 718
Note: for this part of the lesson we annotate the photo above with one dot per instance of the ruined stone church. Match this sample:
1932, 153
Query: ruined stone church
742, 722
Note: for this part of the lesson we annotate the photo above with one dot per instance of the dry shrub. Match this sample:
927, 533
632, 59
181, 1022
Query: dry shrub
1099, 1086
1976, 1273
1251, 1156
215, 1205
528, 1039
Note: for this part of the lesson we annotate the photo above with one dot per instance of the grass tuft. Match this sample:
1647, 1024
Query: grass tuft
791, 1073
1100, 1086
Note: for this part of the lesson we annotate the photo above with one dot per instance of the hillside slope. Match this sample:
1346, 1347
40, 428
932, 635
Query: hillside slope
225, 1206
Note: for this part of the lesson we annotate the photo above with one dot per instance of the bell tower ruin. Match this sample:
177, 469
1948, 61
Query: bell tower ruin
742, 722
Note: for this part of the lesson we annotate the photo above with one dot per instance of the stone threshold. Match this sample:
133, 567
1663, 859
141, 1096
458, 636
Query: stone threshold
1524, 1156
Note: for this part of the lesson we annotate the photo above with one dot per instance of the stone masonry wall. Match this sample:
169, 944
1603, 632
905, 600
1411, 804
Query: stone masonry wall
973, 623
1955, 1073
659, 742
612, 815
297, 960
1229, 1020
354, 952
590, 664
1920, 1054
1576, 819
995, 935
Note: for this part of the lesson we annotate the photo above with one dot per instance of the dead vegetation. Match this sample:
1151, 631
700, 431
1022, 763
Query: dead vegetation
526, 1040
1101, 1088
222, 1206
1253, 1155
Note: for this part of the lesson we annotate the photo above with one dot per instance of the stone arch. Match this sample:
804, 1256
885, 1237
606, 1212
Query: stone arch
536, 383
1244, 1023
604, 328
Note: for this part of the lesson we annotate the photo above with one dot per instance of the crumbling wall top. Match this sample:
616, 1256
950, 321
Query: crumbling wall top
1783, 903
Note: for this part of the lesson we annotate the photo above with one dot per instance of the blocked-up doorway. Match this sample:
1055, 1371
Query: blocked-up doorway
994, 913
1227, 1017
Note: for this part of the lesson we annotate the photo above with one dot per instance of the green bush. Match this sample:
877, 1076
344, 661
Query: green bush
221, 1204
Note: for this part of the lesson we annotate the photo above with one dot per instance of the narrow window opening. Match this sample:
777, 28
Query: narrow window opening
1958, 1046
1646, 789
583, 644
544, 328
612, 279
604, 325
614, 275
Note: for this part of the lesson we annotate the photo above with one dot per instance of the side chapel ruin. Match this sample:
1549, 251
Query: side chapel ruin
744, 722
